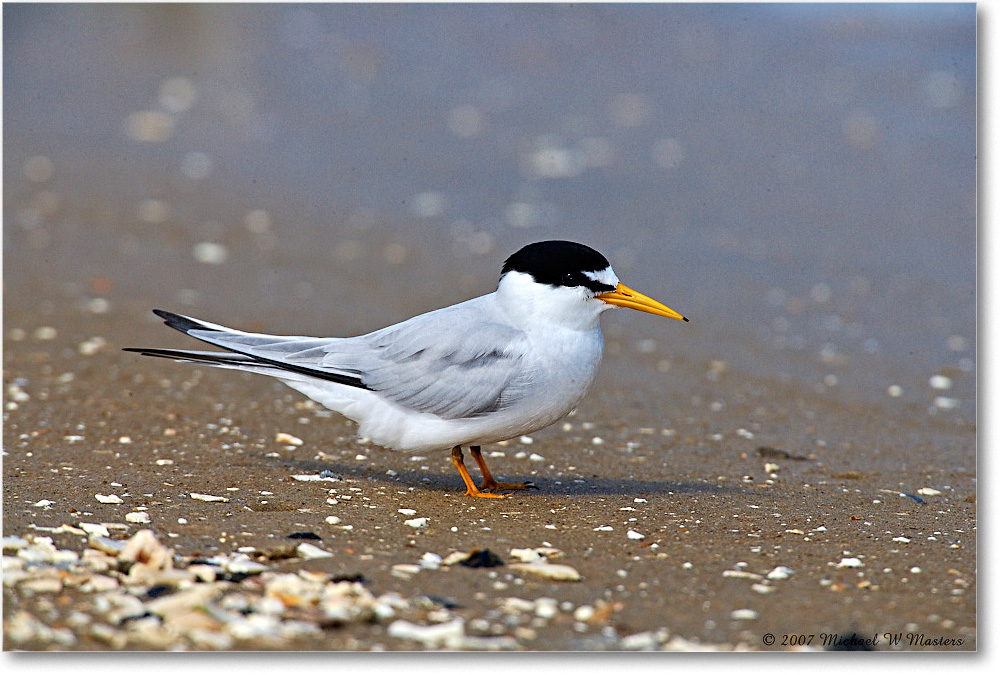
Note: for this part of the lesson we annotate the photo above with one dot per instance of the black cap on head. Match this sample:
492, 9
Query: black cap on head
559, 263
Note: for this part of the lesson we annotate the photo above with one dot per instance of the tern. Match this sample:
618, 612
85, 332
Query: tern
485, 370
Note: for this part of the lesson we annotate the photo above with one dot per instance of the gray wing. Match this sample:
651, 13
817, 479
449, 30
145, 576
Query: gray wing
457, 362
440, 364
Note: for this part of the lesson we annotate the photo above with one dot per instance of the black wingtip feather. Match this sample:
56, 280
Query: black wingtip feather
185, 325
199, 357
176, 321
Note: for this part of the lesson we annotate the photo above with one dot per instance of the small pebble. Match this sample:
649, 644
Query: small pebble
640, 641
287, 439
12, 543
208, 498
454, 558
550, 571
313, 477
17, 394
405, 570
108, 499
91, 346
106, 545
431, 561
210, 253
42, 585
940, 382
449, 635
946, 403
309, 551
95, 529
546, 608
780, 572
525, 554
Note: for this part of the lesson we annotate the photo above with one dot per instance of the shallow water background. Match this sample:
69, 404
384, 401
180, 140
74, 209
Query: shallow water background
799, 180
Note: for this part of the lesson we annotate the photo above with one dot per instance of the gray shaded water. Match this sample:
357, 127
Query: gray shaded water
800, 180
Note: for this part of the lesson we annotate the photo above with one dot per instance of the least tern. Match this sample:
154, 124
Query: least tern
485, 370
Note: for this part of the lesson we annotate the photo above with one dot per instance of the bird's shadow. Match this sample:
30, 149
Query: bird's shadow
451, 482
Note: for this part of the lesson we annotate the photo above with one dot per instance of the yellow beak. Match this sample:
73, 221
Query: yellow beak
623, 296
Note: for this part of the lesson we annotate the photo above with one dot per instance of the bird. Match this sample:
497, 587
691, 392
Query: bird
485, 370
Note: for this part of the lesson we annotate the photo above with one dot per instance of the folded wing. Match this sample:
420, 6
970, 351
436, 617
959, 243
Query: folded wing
432, 363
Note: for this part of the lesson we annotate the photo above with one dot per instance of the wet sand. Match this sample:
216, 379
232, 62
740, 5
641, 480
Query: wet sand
722, 494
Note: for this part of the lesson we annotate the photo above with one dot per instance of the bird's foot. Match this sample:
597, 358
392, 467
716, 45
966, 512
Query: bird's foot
496, 485
473, 491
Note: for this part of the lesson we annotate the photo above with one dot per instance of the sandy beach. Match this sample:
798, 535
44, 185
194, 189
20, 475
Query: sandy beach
699, 505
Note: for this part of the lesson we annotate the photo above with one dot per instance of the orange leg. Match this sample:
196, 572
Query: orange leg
490, 483
470, 487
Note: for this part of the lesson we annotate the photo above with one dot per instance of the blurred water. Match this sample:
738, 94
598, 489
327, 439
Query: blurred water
803, 176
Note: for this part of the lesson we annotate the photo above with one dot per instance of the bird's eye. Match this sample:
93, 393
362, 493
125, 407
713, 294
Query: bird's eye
569, 279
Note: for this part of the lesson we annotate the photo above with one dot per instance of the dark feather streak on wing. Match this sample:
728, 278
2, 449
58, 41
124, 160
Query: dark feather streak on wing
239, 361
200, 357
471, 379
186, 325
483, 360
176, 321
505, 393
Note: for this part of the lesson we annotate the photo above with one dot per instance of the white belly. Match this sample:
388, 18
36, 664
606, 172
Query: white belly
565, 367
